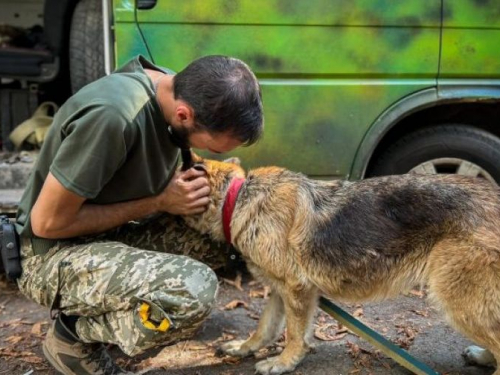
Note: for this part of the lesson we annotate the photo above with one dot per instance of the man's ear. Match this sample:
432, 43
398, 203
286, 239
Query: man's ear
184, 114
233, 160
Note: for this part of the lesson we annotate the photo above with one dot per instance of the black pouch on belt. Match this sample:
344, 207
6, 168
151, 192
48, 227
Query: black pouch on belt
9, 248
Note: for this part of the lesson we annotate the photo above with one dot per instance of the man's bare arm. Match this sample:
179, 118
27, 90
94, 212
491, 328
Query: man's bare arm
60, 213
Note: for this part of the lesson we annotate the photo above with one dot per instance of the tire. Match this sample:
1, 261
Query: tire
86, 44
453, 148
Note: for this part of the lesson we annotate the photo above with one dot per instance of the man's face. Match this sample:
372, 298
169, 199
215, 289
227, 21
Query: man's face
193, 136
218, 143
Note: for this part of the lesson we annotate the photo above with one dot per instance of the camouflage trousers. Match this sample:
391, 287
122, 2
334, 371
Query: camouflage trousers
137, 287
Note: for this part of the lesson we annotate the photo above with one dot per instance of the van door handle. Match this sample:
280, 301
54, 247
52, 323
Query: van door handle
146, 4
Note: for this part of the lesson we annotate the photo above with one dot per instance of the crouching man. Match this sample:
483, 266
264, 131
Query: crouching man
109, 161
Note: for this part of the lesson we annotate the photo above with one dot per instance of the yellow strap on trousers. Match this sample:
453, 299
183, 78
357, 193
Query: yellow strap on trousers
144, 314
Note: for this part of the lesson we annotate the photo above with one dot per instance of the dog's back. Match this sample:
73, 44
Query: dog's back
372, 239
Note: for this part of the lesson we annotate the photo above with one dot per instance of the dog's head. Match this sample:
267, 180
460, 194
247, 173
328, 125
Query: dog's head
219, 175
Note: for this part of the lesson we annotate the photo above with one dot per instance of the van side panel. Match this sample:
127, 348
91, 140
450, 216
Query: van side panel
128, 39
471, 39
328, 68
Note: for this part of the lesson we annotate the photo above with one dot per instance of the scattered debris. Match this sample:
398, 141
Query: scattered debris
236, 303
407, 336
254, 315
231, 360
420, 293
37, 328
236, 283
328, 332
365, 359
260, 293
424, 313
358, 312
182, 355
17, 157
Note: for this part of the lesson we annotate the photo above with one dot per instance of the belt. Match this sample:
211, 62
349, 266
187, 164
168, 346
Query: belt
36, 246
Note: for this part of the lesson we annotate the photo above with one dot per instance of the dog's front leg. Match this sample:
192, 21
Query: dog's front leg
270, 326
300, 305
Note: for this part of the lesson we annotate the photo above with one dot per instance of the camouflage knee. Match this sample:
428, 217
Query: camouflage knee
160, 317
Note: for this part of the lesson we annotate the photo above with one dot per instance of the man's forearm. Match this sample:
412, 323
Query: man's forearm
94, 218
60, 213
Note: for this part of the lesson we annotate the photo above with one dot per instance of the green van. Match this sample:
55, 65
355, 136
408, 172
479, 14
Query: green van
351, 89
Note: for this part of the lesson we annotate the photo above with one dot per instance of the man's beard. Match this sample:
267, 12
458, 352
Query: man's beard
180, 137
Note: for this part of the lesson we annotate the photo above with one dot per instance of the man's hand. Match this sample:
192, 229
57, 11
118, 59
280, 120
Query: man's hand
186, 194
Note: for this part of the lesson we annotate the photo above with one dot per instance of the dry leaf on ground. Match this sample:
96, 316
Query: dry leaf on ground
409, 336
358, 312
37, 328
254, 315
236, 303
423, 313
14, 339
417, 293
236, 282
328, 332
231, 360
260, 293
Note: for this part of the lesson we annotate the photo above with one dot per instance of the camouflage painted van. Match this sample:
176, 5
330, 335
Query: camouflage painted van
351, 89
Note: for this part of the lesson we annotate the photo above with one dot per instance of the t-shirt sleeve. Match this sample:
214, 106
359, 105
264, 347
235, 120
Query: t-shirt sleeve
93, 147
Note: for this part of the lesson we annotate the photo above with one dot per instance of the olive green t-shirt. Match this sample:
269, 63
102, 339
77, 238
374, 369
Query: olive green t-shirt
108, 143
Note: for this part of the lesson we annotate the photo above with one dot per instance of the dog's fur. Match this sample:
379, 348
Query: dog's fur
360, 241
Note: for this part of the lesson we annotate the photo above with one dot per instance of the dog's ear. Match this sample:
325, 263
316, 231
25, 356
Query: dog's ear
200, 167
233, 160
199, 163
196, 158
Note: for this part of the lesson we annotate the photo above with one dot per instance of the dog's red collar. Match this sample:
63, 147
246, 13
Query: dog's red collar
229, 203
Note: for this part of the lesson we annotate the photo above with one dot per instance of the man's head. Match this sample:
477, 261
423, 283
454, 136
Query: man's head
224, 104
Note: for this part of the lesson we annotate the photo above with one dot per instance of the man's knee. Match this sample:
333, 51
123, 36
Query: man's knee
201, 284
206, 293
185, 288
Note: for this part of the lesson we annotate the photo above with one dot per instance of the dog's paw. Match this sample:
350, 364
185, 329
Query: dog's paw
474, 355
233, 348
311, 345
312, 348
273, 365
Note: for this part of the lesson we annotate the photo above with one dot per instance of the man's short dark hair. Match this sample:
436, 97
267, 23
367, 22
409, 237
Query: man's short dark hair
225, 96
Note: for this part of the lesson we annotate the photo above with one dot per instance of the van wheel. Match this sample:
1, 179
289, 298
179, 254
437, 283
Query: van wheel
454, 148
86, 44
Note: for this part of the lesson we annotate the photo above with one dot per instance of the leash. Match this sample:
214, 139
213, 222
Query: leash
388, 348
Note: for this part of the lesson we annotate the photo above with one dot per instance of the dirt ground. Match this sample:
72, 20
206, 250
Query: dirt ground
408, 321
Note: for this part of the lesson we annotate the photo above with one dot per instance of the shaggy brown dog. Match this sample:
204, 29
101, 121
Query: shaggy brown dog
360, 241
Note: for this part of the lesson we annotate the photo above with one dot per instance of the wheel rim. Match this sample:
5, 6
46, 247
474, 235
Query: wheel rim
453, 166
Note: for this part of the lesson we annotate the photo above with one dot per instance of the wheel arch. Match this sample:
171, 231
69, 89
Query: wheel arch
473, 105
57, 17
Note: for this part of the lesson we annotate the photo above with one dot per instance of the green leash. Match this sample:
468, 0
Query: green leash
388, 348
